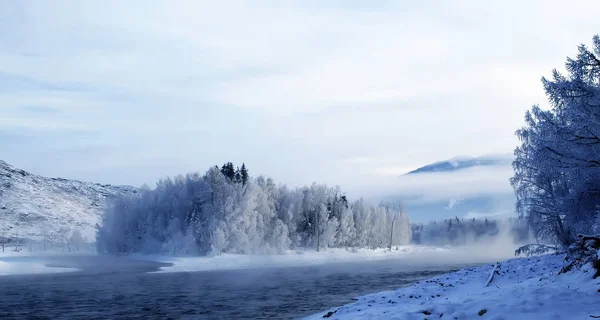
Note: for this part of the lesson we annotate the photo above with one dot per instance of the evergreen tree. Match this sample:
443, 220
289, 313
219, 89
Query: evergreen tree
244, 174
224, 169
238, 175
228, 171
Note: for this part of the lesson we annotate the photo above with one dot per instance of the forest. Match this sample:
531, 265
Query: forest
460, 231
226, 210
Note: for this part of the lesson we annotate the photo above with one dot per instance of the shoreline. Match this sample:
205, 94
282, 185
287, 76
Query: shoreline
523, 288
412, 255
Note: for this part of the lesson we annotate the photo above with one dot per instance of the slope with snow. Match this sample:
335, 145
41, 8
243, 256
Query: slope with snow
464, 162
523, 288
32, 205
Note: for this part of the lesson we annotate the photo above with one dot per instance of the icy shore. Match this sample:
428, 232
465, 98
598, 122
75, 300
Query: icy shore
410, 255
523, 288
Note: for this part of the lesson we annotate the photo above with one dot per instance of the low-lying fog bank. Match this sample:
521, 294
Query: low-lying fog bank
501, 248
407, 255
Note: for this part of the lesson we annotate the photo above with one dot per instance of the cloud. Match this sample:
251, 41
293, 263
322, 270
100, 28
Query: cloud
39, 109
23, 83
494, 215
338, 92
429, 187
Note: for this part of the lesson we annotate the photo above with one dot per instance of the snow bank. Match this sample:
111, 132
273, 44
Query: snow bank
415, 255
11, 254
29, 266
25, 262
32, 205
524, 288
291, 258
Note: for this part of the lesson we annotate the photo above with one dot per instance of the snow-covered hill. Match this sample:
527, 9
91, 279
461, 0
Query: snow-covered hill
31, 205
464, 162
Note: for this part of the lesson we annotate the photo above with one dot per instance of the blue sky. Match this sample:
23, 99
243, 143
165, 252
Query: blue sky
349, 93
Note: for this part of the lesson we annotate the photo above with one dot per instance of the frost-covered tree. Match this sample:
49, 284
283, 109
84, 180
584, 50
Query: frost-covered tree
557, 165
346, 231
76, 240
456, 232
211, 214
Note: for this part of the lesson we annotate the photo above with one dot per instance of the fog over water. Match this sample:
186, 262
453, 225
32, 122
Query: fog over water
130, 287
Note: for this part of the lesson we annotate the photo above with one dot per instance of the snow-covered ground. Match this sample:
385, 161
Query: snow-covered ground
25, 262
525, 288
32, 205
411, 255
291, 258
20, 266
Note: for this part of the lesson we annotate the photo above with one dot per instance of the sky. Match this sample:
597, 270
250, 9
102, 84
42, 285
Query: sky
341, 92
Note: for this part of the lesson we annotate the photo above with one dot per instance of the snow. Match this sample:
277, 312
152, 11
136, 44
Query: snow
30, 204
290, 258
415, 255
36, 262
24, 266
525, 288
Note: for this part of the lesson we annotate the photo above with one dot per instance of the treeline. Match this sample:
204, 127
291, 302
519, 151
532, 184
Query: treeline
557, 165
226, 210
71, 241
455, 232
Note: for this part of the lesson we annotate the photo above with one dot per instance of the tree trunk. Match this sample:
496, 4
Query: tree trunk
392, 233
318, 231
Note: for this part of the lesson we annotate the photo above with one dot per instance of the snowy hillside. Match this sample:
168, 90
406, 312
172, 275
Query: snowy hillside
31, 205
464, 162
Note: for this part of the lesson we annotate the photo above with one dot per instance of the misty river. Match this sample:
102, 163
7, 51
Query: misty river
122, 288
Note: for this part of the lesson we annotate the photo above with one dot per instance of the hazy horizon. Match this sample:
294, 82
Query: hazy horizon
339, 93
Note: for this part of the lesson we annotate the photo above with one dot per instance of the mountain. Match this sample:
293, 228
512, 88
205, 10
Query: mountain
464, 162
459, 187
32, 205
494, 206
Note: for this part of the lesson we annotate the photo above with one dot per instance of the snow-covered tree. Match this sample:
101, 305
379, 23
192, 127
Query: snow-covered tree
557, 165
346, 231
213, 213
76, 240
457, 231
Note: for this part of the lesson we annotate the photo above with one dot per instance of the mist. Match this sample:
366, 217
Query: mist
441, 185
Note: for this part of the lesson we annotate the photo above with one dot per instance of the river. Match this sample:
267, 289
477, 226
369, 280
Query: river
123, 288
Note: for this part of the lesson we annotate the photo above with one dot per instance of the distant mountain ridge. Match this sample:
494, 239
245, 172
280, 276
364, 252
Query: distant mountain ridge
425, 202
464, 162
31, 205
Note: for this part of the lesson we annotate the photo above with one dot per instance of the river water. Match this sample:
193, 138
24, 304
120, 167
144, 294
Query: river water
122, 288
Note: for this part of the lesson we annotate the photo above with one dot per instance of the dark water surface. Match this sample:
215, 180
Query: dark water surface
121, 288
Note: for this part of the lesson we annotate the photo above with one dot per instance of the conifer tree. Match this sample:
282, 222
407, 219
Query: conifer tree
238, 176
244, 174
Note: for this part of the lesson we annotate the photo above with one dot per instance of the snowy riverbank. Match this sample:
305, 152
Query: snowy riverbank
410, 255
25, 266
26, 263
526, 288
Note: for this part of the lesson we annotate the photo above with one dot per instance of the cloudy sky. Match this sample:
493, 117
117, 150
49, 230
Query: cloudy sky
343, 92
